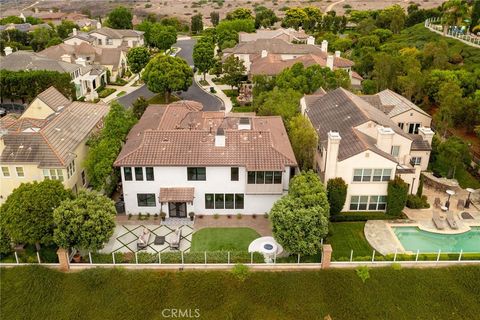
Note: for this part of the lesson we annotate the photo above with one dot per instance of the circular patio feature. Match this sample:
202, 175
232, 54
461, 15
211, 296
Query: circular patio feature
267, 246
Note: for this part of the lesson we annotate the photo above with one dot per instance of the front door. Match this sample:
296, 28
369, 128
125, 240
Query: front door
177, 209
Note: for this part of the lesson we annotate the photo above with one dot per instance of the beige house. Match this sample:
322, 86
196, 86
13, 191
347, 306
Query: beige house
290, 35
360, 143
48, 141
112, 59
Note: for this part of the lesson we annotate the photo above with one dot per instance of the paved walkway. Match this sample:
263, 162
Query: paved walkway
260, 223
227, 103
128, 88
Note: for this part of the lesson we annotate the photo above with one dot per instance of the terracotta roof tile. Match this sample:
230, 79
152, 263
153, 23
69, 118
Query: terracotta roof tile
176, 194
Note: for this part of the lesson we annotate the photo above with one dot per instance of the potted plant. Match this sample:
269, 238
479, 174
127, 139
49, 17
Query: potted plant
191, 214
155, 217
163, 215
77, 258
229, 216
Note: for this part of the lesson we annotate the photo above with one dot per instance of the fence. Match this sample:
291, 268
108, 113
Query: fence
434, 24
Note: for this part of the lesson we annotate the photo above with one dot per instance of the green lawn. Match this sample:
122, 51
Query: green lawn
40, 293
223, 239
346, 236
160, 99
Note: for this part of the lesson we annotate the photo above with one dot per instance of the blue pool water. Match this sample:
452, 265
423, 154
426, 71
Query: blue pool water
413, 239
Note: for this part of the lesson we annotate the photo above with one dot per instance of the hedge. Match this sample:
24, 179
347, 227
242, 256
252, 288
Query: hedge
396, 196
360, 216
106, 92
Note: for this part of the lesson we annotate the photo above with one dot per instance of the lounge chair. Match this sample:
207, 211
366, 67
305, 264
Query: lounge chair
175, 239
438, 221
460, 204
437, 203
451, 220
142, 241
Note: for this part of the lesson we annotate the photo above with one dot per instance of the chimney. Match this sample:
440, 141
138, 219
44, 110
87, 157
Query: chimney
81, 61
22, 16
220, 138
50, 10
385, 139
330, 61
426, 134
66, 58
99, 24
324, 46
244, 124
36, 10
264, 53
74, 31
311, 40
337, 54
8, 51
333, 147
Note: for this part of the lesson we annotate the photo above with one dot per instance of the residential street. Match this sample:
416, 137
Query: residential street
210, 102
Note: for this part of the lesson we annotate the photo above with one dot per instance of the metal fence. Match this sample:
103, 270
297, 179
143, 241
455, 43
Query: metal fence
435, 25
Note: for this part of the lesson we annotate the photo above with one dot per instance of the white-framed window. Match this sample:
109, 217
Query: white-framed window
416, 161
71, 169
395, 151
401, 125
109, 41
368, 175
371, 203
53, 174
6, 172
20, 172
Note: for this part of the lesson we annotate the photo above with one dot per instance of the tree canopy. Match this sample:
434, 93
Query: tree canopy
120, 18
65, 28
204, 56
304, 141
196, 24
86, 222
233, 71
138, 58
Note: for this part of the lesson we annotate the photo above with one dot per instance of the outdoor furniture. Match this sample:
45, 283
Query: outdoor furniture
159, 240
460, 204
451, 220
438, 221
142, 241
175, 239
437, 203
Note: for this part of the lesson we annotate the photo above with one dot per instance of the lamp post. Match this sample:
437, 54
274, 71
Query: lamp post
470, 191
450, 193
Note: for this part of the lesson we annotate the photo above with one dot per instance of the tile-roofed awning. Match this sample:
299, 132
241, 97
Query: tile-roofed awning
176, 195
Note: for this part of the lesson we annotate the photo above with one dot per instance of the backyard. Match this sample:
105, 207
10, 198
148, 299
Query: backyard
345, 236
223, 239
41, 293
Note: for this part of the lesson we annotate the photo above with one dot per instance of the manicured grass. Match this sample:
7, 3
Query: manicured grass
106, 92
48, 254
121, 93
346, 236
40, 293
243, 109
223, 239
160, 99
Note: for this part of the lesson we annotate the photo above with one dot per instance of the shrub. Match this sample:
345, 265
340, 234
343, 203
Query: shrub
420, 187
239, 216
240, 271
336, 194
396, 196
416, 202
216, 216
363, 273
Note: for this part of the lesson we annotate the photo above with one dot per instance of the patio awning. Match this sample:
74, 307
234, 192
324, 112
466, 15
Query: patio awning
176, 194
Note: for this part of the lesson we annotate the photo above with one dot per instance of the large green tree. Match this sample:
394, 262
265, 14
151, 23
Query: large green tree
397, 192
86, 222
162, 37
42, 38
264, 17
204, 56
240, 14
139, 106
65, 28
300, 219
165, 74
278, 102
27, 214
196, 25
337, 194
233, 71
138, 58
304, 141
215, 18
120, 18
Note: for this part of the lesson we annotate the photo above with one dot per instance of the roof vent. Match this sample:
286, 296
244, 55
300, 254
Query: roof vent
220, 138
244, 124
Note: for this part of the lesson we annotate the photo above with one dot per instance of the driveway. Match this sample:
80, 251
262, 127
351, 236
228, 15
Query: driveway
195, 93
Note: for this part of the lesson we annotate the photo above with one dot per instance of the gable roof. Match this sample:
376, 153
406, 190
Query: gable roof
24, 60
180, 134
117, 33
392, 103
53, 99
271, 34
275, 46
342, 111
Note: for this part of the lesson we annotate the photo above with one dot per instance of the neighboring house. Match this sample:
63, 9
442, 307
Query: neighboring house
271, 56
24, 27
360, 143
57, 17
48, 141
290, 35
87, 78
105, 37
180, 159
113, 59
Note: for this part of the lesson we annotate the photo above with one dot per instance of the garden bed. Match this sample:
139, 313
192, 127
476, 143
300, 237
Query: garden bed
106, 92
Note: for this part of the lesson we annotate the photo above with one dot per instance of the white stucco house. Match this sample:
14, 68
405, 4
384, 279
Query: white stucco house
180, 159
104, 37
367, 145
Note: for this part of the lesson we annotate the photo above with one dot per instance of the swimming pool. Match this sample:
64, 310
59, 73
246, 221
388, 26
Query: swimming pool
413, 239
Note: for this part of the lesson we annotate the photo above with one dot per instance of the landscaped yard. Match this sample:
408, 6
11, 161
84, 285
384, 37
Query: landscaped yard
40, 293
106, 92
223, 239
346, 236
160, 99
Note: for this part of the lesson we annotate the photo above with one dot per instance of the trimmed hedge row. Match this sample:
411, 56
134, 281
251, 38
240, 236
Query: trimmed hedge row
176, 257
360, 216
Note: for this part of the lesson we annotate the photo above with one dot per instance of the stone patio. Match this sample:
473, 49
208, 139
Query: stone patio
125, 238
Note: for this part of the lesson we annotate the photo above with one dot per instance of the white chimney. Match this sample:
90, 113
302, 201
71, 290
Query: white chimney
37, 10
74, 31
264, 53
244, 124
330, 61
81, 61
333, 146
426, 134
220, 138
50, 10
99, 24
337, 54
66, 57
385, 139
311, 40
324, 46
8, 51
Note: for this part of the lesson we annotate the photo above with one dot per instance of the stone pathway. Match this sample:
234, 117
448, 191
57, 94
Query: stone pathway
125, 238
